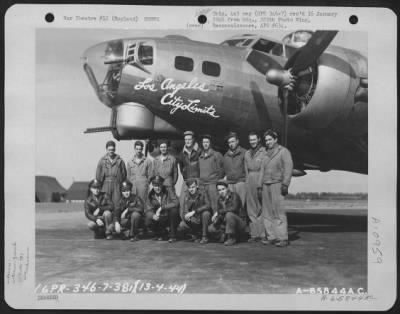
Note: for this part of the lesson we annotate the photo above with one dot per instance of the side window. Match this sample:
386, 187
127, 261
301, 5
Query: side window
211, 68
145, 54
184, 64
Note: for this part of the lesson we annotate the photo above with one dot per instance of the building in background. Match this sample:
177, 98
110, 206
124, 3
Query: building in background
77, 192
48, 189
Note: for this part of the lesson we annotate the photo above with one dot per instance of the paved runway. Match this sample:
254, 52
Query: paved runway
328, 249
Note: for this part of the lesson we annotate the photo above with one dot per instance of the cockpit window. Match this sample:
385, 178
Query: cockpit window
145, 54
184, 63
247, 42
264, 45
211, 68
237, 42
290, 51
277, 50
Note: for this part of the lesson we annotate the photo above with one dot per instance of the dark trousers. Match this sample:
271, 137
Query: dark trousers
169, 219
194, 226
133, 223
106, 228
231, 225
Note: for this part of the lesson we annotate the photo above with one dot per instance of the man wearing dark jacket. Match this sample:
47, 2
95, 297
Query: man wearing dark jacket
188, 160
162, 210
196, 212
111, 170
129, 212
226, 225
98, 209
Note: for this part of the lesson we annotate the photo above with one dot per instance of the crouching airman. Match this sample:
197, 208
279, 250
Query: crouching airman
196, 212
226, 225
162, 211
129, 212
98, 209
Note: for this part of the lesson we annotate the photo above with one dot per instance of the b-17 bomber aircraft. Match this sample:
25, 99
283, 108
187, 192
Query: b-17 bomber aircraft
313, 93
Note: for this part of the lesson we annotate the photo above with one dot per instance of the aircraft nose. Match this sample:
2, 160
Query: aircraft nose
103, 64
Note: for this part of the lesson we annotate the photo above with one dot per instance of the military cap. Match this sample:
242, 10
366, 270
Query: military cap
138, 143
157, 180
95, 184
188, 133
110, 143
222, 182
126, 186
231, 134
206, 136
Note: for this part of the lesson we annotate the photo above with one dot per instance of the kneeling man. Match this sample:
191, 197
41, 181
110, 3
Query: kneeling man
129, 212
196, 212
98, 209
162, 210
226, 224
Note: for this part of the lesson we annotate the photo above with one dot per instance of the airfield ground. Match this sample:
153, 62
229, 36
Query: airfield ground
328, 249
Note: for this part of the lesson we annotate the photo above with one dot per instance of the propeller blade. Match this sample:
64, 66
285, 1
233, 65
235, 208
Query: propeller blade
310, 52
285, 95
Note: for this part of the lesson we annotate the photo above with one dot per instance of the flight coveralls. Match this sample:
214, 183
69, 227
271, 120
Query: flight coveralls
134, 216
228, 222
211, 165
167, 168
276, 169
202, 217
105, 213
236, 175
139, 171
169, 215
190, 169
252, 161
111, 173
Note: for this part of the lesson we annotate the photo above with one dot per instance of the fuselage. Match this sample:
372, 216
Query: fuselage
212, 88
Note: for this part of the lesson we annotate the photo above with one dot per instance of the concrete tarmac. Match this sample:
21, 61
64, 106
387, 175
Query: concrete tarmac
328, 249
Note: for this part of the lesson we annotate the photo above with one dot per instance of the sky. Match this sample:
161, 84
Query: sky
66, 105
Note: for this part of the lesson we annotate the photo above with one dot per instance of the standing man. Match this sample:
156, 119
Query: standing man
166, 166
129, 212
226, 225
252, 161
196, 212
140, 168
111, 171
274, 180
235, 170
211, 165
162, 210
188, 160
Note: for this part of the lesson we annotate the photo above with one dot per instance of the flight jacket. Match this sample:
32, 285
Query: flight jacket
189, 163
133, 203
277, 166
92, 203
167, 201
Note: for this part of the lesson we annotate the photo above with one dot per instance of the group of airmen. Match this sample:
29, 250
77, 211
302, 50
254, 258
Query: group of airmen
221, 194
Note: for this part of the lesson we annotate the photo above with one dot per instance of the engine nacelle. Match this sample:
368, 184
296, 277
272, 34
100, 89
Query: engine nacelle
327, 91
135, 121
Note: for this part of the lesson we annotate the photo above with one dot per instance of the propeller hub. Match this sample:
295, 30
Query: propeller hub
280, 78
